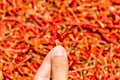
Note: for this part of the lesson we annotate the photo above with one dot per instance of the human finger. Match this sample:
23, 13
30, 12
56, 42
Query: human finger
59, 63
44, 71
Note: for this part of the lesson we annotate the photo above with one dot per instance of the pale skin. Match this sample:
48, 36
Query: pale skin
55, 65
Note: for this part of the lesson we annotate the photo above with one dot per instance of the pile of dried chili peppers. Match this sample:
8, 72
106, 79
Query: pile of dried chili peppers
88, 29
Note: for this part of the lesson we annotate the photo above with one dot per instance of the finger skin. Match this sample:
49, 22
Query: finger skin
44, 71
59, 64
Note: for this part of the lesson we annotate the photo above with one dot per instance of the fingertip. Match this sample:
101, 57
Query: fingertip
44, 71
58, 56
59, 63
59, 51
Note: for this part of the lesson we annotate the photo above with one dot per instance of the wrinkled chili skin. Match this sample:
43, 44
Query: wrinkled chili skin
65, 34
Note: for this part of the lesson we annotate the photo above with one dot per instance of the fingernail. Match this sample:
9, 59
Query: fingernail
59, 51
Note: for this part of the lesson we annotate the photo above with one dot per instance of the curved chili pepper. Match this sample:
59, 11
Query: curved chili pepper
65, 34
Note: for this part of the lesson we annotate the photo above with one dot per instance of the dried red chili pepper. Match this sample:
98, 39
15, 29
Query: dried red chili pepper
34, 3
65, 34
39, 22
10, 2
54, 30
88, 26
52, 40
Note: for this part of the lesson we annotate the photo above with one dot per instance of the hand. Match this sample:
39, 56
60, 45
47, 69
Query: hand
55, 65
